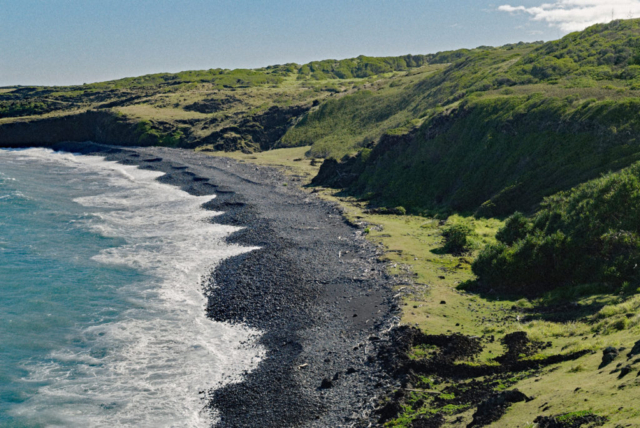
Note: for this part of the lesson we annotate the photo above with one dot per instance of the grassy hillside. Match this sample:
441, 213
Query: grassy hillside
495, 131
218, 109
343, 125
498, 154
346, 125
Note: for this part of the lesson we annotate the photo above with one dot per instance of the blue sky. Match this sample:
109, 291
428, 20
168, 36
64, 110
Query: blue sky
80, 41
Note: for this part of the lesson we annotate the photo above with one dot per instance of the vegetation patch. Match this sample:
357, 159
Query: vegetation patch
589, 234
571, 420
456, 238
438, 379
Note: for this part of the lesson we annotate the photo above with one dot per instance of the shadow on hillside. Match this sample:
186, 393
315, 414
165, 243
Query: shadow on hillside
556, 306
560, 312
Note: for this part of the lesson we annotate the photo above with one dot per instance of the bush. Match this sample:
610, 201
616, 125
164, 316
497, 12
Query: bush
456, 238
516, 228
551, 67
590, 234
400, 210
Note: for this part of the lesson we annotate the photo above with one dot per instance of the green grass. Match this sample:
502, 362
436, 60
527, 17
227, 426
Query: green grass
344, 125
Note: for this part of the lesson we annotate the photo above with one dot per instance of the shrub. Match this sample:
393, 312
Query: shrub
456, 238
516, 228
590, 234
550, 67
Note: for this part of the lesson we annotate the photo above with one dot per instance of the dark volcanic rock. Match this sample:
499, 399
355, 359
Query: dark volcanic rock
492, 409
326, 384
212, 105
389, 411
517, 344
435, 421
567, 420
608, 355
635, 350
624, 371
259, 132
99, 126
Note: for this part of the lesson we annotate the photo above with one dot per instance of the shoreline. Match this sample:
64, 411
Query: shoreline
314, 289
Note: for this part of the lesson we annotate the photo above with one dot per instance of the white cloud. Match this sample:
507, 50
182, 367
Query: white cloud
575, 15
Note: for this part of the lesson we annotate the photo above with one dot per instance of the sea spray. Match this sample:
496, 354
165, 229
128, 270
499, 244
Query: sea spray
147, 360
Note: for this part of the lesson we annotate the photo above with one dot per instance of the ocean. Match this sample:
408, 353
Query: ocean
102, 312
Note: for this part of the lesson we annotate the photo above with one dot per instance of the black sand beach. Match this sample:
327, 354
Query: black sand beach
314, 288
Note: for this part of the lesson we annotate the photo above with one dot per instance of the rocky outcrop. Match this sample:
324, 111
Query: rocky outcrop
337, 175
256, 133
212, 105
100, 127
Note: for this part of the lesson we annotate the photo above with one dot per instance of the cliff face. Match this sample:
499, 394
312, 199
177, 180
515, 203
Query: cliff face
100, 127
252, 133
258, 132
493, 157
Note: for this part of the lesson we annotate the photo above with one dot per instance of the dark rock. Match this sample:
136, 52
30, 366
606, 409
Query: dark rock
635, 350
517, 344
608, 355
387, 211
212, 105
399, 394
435, 421
493, 408
326, 383
98, 126
566, 420
389, 411
259, 132
624, 371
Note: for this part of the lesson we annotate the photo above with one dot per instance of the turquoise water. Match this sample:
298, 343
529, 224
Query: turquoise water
101, 309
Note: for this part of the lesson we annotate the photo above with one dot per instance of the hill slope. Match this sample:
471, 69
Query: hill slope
502, 128
222, 109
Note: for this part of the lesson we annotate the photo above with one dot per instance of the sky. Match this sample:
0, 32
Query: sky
62, 42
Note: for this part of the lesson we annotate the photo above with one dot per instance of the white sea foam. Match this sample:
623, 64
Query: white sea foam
149, 368
13, 196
